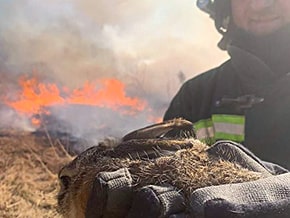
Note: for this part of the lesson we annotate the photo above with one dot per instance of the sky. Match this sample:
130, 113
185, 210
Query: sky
150, 45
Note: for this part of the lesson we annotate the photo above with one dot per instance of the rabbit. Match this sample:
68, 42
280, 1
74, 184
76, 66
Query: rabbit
165, 153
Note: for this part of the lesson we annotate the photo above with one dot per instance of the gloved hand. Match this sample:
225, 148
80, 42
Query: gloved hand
113, 195
264, 198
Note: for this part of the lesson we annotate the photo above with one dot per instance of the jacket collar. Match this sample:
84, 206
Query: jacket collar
267, 53
249, 66
252, 75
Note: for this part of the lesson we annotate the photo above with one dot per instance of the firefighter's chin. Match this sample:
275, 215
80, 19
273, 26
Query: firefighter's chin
264, 26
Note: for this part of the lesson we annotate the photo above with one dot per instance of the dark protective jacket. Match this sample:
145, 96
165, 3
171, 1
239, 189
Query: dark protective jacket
242, 100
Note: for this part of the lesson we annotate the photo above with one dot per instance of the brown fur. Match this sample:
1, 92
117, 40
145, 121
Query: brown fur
188, 167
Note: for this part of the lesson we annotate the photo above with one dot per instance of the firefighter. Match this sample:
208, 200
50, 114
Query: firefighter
247, 98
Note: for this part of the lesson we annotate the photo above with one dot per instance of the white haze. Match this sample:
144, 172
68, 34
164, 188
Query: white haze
146, 44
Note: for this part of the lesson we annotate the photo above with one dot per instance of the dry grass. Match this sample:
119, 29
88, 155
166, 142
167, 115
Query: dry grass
28, 175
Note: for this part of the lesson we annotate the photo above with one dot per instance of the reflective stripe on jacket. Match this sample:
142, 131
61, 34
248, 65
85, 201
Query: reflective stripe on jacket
221, 126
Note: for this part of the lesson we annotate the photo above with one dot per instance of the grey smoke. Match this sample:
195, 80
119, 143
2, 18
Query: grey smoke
145, 44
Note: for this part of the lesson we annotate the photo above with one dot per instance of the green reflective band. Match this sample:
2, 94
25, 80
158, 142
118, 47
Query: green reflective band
204, 131
224, 118
203, 124
226, 136
230, 127
221, 126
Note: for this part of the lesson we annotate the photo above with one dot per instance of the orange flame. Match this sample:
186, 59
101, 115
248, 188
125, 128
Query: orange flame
112, 96
35, 97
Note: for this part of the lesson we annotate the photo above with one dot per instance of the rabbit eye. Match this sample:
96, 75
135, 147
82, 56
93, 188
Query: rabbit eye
65, 181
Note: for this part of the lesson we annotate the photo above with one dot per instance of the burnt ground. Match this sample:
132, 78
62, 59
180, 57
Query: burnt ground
28, 174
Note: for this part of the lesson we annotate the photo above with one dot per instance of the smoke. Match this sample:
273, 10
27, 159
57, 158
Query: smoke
85, 39
145, 44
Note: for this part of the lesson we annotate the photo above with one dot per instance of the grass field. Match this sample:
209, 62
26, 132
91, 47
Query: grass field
28, 174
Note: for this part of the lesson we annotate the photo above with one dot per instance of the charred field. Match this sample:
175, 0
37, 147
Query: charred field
29, 164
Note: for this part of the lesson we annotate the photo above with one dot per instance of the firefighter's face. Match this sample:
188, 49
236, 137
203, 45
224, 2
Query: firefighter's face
260, 17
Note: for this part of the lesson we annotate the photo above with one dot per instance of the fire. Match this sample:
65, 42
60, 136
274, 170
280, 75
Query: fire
111, 94
35, 97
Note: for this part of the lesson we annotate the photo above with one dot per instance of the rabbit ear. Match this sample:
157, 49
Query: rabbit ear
168, 129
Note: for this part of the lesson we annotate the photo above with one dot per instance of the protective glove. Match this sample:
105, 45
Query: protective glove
268, 197
157, 201
265, 198
113, 195
235, 152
